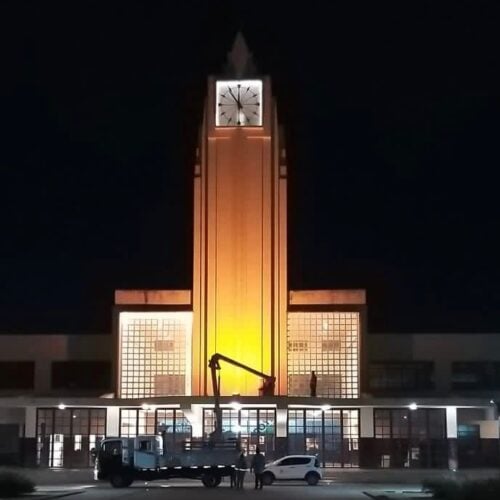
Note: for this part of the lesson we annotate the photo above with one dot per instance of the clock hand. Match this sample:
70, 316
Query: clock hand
235, 98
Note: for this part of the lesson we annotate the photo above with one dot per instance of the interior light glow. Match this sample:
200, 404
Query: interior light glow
154, 354
328, 344
413, 406
62, 406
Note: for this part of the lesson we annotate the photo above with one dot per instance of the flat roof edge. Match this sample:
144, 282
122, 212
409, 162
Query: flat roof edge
327, 297
153, 297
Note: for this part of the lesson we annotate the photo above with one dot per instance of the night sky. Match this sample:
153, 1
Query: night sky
391, 113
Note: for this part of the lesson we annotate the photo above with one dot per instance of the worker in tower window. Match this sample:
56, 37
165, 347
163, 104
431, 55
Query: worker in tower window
313, 383
267, 388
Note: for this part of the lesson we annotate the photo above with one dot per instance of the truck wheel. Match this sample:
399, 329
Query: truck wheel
312, 479
268, 478
211, 480
121, 479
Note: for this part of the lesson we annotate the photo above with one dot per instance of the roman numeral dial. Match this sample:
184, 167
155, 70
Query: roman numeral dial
238, 103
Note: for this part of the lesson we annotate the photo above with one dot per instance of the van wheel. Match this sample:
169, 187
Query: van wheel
121, 480
312, 479
268, 478
211, 480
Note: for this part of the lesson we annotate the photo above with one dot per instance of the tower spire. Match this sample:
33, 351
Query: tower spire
239, 59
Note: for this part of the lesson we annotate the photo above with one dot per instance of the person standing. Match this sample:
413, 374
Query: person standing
233, 476
312, 384
258, 466
241, 468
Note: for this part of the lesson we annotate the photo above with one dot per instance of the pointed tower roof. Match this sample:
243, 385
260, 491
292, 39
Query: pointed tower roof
239, 59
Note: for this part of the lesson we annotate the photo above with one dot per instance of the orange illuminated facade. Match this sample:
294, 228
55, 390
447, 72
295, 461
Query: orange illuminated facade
240, 305
239, 287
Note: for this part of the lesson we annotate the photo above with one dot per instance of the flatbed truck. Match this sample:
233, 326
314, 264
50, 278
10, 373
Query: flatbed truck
123, 460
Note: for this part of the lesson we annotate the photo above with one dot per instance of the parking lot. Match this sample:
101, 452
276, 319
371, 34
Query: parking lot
184, 490
338, 484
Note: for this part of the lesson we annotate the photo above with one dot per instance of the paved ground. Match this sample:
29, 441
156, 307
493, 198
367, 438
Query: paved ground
183, 490
357, 476
338, 484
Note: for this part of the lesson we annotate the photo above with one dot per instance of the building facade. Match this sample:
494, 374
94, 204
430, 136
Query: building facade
376, 401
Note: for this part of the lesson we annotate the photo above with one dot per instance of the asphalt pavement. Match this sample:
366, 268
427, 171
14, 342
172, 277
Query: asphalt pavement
181, 490
44, 477
338, 484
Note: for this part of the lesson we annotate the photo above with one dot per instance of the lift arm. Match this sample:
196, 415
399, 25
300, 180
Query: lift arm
267, 388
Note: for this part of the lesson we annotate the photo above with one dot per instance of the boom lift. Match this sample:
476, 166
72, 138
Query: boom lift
267, 388
123, 459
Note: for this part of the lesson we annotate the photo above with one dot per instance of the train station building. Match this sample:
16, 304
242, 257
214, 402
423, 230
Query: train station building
379, 400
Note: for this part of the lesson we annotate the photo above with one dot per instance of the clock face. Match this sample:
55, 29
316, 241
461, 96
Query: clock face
239, 103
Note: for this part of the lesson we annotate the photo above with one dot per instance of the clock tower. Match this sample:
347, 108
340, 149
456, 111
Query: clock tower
240, 236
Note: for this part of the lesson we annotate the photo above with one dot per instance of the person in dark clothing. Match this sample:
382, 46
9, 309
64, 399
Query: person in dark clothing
258, 466
233, 477
241, 468
313, 383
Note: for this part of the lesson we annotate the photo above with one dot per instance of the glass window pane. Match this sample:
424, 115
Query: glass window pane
328, 344
155, 352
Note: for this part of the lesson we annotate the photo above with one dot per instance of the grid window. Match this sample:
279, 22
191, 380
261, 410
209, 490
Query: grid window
395, 376
328, 344
410, 438
382, 424
421, 424
155, 354
350, 431
65, 438
128, 423
296, 432
146, 422
134, 422
332, 434
314, 425
400, 423
253, 427
171, 423
174, 427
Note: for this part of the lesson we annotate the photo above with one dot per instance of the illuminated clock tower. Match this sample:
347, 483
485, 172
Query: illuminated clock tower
239, 278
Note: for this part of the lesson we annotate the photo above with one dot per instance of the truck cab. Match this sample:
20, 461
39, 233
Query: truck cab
113, 459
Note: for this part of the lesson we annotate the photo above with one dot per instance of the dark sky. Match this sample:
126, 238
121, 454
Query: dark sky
391, 114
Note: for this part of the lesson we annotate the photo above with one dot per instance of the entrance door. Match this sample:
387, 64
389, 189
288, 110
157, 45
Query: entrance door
332, 435
68, 438
469, 446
